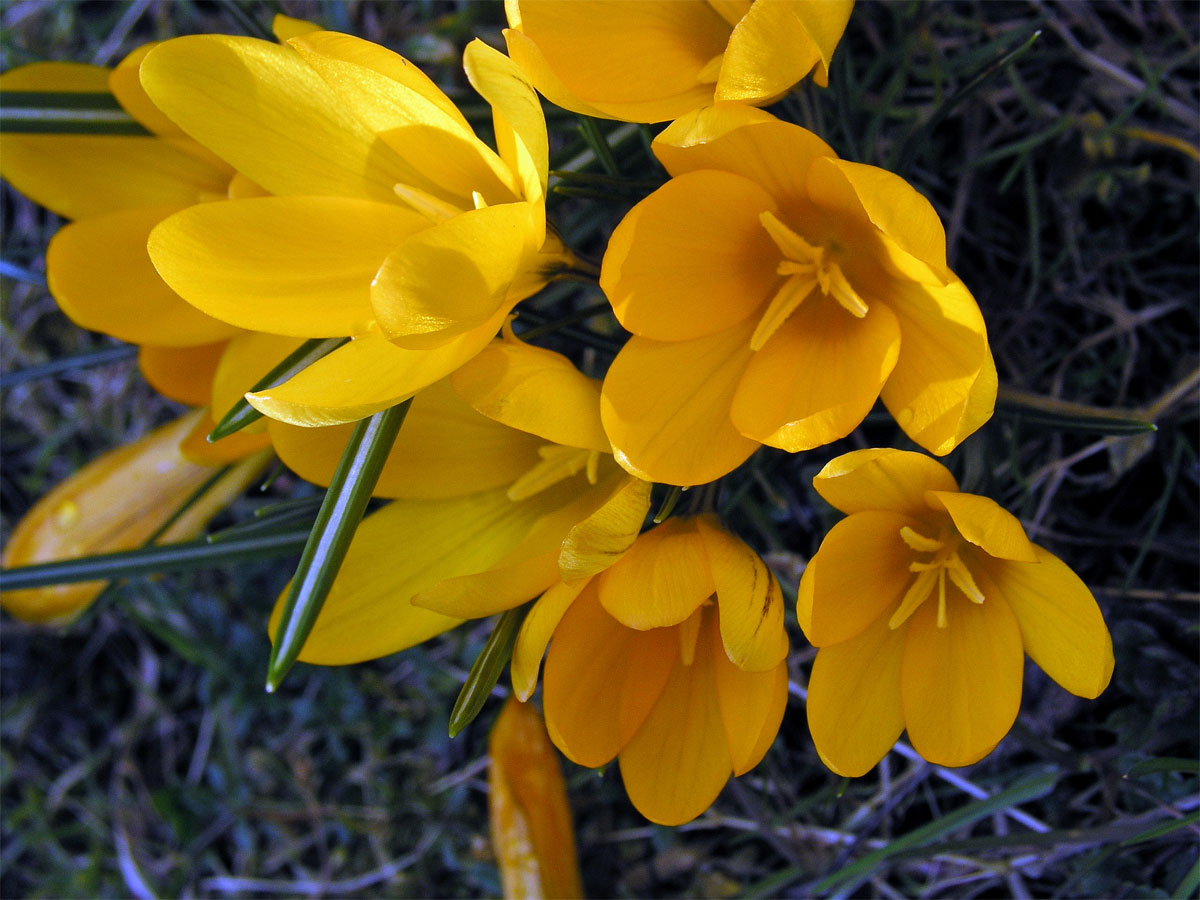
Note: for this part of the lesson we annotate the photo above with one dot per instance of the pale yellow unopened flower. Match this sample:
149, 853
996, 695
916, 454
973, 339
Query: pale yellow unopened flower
117, 502
924, 602
654, 60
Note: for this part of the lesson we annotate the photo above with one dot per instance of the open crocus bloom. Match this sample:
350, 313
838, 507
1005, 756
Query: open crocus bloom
118, 502
775, 292
671, 660
391, 222
654, 60
923, 602
509, 487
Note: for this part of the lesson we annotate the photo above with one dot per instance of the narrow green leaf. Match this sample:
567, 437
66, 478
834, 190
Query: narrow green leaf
847, 879
485, 671
65, 112
1068, 416
1165, 764
1187, 887
334, 528
67, 364
674, 492
242, 413
1162, 828
591, 133
160, 559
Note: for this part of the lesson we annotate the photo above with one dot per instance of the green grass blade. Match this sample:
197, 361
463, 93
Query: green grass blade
337, 520
152, 560
1187, 887
847, 879
486, 669
62, 112
1067, 416
67, 364
242, 413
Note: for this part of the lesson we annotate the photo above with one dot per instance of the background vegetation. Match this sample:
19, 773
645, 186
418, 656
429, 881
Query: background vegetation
140, 756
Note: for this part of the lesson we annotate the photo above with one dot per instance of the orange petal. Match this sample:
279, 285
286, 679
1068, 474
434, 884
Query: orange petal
752, 705
961, 685
248, 357
817, 377
860, 571
748, 598
661, 580
692, 259
185, 374
986, 524
854, 708
680, 432
882, 479
601, 680
1062, 628
101, 275
678, 761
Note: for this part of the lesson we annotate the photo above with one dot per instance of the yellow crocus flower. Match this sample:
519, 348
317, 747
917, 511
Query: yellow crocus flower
775, 292
923, 602
655, 60
390, 221
504, 485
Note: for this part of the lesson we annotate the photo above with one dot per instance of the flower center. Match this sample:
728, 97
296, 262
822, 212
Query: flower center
808, 267
945, 563
557, 463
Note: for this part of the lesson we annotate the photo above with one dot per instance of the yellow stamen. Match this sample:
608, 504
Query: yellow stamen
782, 305
558, 463
946, 563
914, 597
433, 208
919, 542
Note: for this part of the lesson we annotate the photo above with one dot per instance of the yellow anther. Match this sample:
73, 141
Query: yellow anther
919, 542
433, 208
557, 463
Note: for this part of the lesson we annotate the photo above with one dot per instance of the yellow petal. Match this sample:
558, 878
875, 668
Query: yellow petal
299, 266
860, 571
247, 359
516, 114
748, 597
854, 708
1061, 626
126, 86
661, 580
678, 761
100, 274
365, 376
874, 478
874, 198
944, 384
287, 27
692, 259
817, 377
603, 537
752, 705
601, 680
531, 565
434, 150
119, 172
539, 624
535, 390
777, 44
116, 502
196, 448
261, 109
680, 432
453, 276
986, 524
528, 57
746, 141
185, 374
444, 449
528, 812
629, 59
369, 613
961, 685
